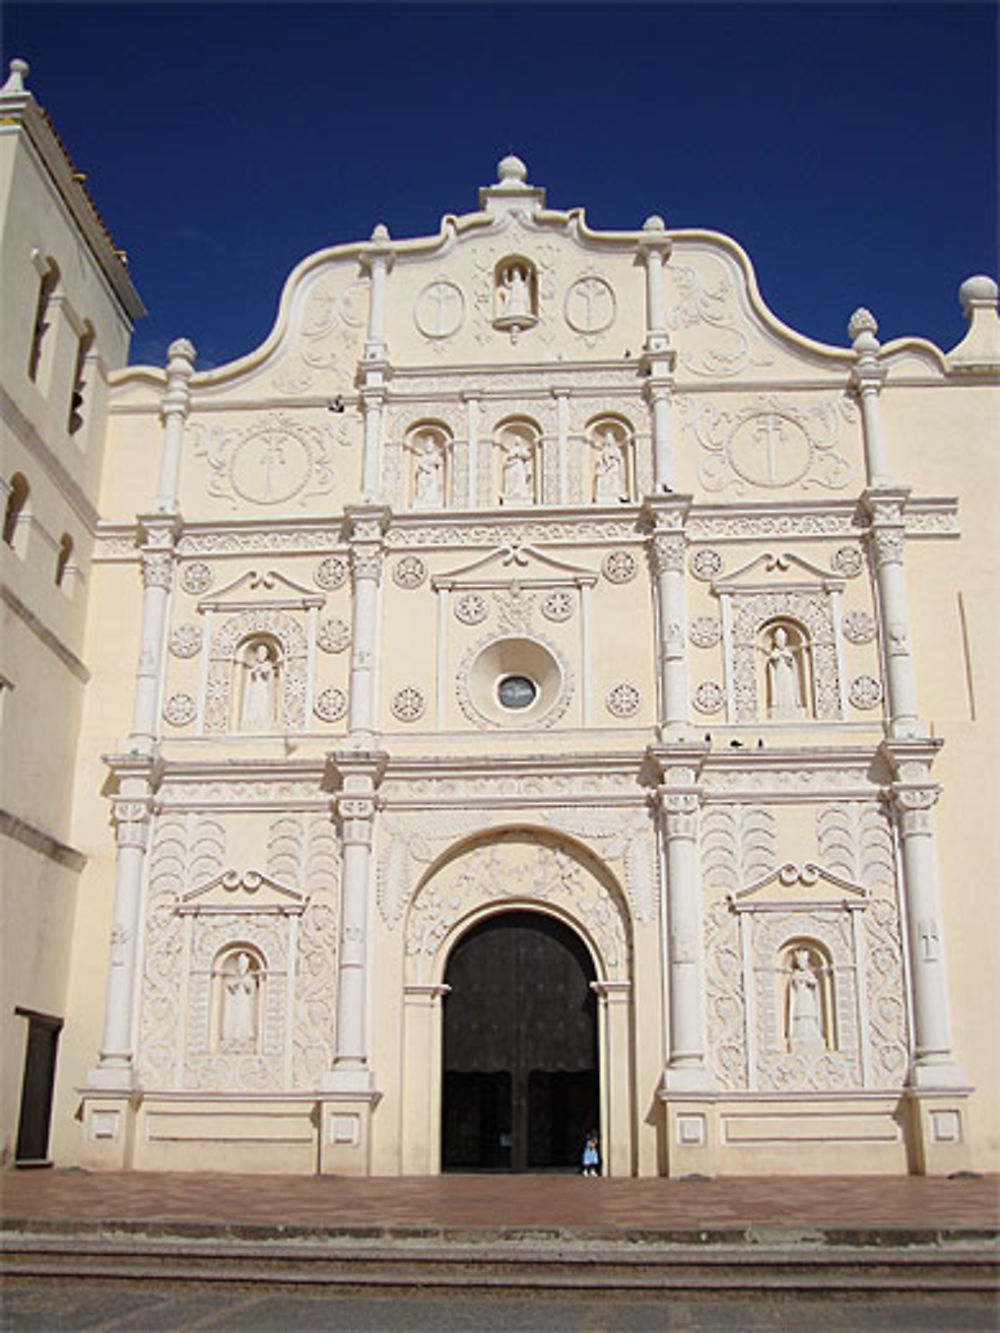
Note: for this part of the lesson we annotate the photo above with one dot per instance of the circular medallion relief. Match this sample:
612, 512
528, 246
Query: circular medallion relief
186, 641
590, 305
619, 566
706, 564
179, 710
439, 309
331, 573
471, 608
270, 467
197, 577
557, 605
705, 631
333, 636
623, 700
865, 692
859, 627
331, 704
848, 560
408, 704
409, 571
709, 697
769, 450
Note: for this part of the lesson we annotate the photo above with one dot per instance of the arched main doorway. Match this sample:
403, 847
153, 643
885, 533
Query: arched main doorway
520, 1076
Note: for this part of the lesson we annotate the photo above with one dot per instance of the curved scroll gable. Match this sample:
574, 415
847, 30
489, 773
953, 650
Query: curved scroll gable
517, 868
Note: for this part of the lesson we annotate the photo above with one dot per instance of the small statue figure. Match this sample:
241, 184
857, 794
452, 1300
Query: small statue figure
515, 294
259, 691
518, 472
239, 1010
805, 1030
428, 475
783, 685
609, 472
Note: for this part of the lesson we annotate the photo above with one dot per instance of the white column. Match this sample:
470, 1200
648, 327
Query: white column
914, 797
373, 371
687, 1070
367, 525
137, 777
667, 549
885, 509
472, 434
157, 565
359, 774
657, 361
868, 377
176, 401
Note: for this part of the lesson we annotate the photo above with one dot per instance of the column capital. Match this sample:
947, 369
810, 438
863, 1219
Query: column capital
665, 513
367, 522
666, 552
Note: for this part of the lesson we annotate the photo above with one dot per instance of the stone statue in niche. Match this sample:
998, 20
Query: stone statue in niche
428, 473
239, 1005
785, 697
515, 292
260, 687
805, 1005
609, 471
518, 471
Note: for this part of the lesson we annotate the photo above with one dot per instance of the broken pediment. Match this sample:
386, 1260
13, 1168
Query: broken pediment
249, 891
516, 563
784, 571
799, 886
254, 590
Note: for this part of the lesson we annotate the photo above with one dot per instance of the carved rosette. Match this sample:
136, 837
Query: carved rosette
859, 627
849, 561
331, 573
197, 577
619, 567
709, 697
623, 700
333, 635
180, 710
705, 631
865, 692
706, 564
186, 641
409, 571
331, 704
408, 704
558, 605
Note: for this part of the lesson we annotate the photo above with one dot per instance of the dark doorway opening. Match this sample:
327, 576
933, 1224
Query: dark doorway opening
520, 1086
36, 1088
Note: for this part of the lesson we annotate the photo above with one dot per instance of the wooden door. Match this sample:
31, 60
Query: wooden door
37, 1085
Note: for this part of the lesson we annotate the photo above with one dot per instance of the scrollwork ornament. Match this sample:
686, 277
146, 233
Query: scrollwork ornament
157, 569
706, 564
408, 704
705, 631
186, 641
471, 608
619, 567
331, 704
557, 605
709, 697
865, 692
331, 573
180, 710
409, 571
197, 577
848, 560
623, 700
859, 627
333, 635
668, 554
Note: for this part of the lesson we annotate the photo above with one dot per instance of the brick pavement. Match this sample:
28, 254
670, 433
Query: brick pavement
500, 1201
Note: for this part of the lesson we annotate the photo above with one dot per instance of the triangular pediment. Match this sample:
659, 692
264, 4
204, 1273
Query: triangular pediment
249, 891
778, 570
792, 885
515, 562
253, 589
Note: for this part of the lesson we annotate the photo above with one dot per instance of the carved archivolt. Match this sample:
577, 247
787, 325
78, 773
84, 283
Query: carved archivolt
511, 869
234, 630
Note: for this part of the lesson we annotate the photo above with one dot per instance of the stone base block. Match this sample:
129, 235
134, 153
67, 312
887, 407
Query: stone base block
345, 1135
108, 1121
938, 1131
239, 1134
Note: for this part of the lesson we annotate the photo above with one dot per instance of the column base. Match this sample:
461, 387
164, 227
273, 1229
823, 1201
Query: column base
938, 1124
119, 1078
345, 1134
108, 1123
687, 1079
943, 1074
349, 1080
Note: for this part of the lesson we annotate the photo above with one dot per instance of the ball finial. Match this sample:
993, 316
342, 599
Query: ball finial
861, 322
654, 223
380, 233
511, 170
18, 74
979, 290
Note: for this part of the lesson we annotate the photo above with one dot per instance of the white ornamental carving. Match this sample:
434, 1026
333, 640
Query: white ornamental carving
709, 697
268, 462
770, 443
590, 306
752, 611
409, 571
331, 704
848, 560
737, 844
620, 566
865, 692
331, 573
557, 605
706, 564
623, 700
471, 608
705, 631
408, 704
439, 310
197, 577
186, 641
855, 841
333, 635
706, 313
859, 627
180, 709
278, 626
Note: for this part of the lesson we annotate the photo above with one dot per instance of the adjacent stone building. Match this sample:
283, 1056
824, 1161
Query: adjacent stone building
535, 691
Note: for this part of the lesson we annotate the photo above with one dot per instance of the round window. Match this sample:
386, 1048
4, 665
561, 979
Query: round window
517, 692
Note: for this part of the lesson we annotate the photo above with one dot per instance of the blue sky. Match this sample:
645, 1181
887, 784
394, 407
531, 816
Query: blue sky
851, 148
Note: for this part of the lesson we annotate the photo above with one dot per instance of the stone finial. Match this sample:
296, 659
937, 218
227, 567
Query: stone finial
862, 322
976, 292
182, 350
380, 233
18, 74
512, 172
654, 223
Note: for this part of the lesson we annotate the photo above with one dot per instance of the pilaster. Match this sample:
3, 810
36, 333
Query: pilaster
367, 525
868, 376
658, 360
665, 517
885, 509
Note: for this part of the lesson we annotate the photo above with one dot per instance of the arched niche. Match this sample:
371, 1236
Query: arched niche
612, 460
287, 641
517, 867
258, 667
806, 1001
515, 293
786, 658
239, 976
429, 448
517, 451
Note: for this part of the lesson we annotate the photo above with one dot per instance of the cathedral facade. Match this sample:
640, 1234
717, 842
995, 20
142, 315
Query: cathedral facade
534, 693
